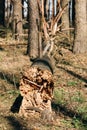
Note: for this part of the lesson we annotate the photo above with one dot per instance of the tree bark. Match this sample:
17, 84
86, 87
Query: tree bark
65, 17
8, 13
80, 42
22, 9
33, 39
2, 12
73, 13
17, 19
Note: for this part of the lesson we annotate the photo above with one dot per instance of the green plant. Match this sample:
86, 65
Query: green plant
75, 122
59, 96
78, 97
13, 92
67, 123
78, 124
82, 109
71, 83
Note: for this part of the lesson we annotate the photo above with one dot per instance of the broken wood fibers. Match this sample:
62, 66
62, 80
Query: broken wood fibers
36, 87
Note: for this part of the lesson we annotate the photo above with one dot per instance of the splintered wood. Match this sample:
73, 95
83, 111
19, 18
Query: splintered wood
36, 87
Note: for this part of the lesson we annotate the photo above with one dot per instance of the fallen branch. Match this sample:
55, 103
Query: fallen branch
31, 82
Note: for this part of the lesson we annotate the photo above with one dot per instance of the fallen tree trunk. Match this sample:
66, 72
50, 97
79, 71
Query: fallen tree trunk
36, 87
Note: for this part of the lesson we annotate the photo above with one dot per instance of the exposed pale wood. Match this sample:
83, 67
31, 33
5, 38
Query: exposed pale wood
36, 87
58, 16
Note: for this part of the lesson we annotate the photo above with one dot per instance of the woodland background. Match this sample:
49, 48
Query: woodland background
58, 29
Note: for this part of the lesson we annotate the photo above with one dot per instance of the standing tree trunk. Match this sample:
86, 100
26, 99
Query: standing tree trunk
80, 42
65, 17
17, 19
32, 48
22, 9
73, 13
46, 9
2, 12
8, 13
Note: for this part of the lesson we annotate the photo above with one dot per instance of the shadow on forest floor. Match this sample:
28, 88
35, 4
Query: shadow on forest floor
16, 124
74, 74
10, 78
67, 112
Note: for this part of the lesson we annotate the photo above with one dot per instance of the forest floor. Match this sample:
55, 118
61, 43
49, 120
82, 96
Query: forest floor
70, 93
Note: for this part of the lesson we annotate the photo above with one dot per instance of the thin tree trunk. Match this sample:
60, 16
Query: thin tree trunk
33, 40
23, 9
17, 19
65, 17
2, 12
73, 13
80, 42
8, 13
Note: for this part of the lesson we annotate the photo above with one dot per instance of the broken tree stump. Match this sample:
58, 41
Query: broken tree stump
36, 87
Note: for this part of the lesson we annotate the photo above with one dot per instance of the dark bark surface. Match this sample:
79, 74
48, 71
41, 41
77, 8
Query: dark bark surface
2, 11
